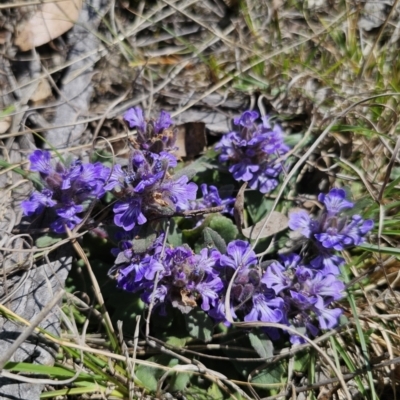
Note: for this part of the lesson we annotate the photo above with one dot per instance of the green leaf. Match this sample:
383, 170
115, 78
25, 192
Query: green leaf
92, 388
47, 240
213, 239
174, 234
179, 381
141, 245
261, 344
257, 205
199, 325
224, 226
147, 377
215, 392
273, 377
382, 250
301, 361
292, 140
176, 342
53, 371
221, 225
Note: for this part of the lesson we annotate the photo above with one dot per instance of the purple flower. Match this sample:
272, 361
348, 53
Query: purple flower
58, 226
266, 308
238, 255
147, 188
163, 122
68, 189
335, 201
69, 211
328, 317
275, 278
265, 183
91, 179
165, 158
148, 181
128, 213
37, 202
134, 116
253, 152
230, 146
301, 221
327, 262
159, 296
211, 198
218, 313
134, 272
116, 179
302, 301
179, 192
306, 294
326, 286
40, 161
243, 171
153, 136
209, 290
152, 265
247, 119
206, 261
184, 277
331, 230
355, 231
331, 239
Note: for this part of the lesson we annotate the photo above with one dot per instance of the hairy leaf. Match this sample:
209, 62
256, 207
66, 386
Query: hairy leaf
199, 325
213, 239
261, 344
225, 227
47, 240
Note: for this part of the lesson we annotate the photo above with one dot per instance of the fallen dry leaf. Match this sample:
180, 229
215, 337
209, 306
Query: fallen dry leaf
42, 92
5, 123
276, 222
49, 22
238, 208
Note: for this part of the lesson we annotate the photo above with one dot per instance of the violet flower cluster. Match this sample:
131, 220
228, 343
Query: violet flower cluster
253, 150
184, 278
288, 293
147, 187
67, 189
297, 291
307, 295
332, 230
152, 135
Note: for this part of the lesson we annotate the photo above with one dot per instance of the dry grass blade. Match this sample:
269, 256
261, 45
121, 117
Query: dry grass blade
28, 331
